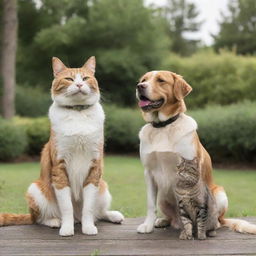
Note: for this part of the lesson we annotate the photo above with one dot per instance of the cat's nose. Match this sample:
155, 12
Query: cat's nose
79, 85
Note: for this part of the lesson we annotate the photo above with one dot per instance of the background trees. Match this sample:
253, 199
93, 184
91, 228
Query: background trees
128, 38
8, 56
238, 28
182, 17
125, 36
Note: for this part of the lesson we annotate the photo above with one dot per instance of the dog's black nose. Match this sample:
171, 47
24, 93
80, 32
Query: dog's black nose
141, 86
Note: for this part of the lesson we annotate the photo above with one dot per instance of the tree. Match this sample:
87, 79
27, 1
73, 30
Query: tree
8, 56
182, 18
126, 37
238, 28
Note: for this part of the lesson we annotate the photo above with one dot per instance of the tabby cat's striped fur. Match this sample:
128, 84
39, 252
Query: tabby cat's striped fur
196, 204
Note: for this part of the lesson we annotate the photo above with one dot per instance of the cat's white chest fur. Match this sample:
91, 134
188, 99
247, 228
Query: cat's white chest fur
79, 135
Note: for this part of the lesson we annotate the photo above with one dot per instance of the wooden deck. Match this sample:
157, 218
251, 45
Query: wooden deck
120, 240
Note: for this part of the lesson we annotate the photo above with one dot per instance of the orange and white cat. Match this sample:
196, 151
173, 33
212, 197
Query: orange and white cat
70, 188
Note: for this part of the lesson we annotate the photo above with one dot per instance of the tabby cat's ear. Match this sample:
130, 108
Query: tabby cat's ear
90, 64
57, 66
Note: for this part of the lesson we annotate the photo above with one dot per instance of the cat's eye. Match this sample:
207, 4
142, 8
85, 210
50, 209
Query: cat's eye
69, 79
86, 78
160, 80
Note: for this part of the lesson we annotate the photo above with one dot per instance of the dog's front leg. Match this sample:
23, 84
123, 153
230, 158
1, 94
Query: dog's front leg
148, 224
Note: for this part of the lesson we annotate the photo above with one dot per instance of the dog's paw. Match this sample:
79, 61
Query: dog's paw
90, 230
145, 228
162, 223
67, 230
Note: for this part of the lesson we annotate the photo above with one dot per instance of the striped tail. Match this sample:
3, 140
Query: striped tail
240, 226
7, 219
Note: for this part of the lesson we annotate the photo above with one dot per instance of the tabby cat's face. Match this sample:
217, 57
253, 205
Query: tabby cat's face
74, 86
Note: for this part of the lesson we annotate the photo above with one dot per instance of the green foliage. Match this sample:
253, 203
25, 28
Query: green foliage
121, 129
216, 79
126, 37
38, 132
238, 28
32, 101
228, 133
182, 17
13, 140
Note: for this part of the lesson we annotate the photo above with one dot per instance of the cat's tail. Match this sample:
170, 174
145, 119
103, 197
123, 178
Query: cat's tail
241, 226
8, 219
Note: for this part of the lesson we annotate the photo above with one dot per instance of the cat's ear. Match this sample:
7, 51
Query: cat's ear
57, 66
90, 64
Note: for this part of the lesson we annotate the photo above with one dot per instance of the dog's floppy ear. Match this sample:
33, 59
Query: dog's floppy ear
181, 87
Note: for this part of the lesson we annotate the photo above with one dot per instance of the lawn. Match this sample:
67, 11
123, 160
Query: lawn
125, 178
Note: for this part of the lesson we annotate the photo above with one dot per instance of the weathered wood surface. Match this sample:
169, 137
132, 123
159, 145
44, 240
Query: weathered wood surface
120, 240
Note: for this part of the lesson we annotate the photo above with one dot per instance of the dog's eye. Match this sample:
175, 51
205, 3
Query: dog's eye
69, 78
86, 78
160, 80
143, 80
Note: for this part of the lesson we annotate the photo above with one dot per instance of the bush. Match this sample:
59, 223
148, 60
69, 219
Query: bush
228, 133
32, 101
38, 132
121, 129
13, 140
216, 78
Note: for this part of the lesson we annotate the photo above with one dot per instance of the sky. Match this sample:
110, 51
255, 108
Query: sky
210, 13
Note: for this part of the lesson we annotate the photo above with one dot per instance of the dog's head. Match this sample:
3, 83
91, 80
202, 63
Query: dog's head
162, 91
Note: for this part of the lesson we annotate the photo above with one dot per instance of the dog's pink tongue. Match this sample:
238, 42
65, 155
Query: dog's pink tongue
143, 103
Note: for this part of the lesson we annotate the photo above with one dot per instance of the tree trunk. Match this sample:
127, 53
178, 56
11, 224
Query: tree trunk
8, 56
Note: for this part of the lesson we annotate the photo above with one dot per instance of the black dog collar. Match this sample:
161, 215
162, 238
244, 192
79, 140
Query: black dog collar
164, 123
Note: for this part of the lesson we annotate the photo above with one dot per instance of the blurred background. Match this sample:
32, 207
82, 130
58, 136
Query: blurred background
212, 44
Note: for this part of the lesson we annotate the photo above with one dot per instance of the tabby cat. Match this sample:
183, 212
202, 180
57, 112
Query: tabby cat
196, 204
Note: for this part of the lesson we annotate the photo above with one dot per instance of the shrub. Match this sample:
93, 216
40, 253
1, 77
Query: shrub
38, 132
228, 132
32, 101
121, 129
216, 78
13, 140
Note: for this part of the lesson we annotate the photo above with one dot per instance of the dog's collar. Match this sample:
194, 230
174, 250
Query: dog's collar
166, 122
77, 107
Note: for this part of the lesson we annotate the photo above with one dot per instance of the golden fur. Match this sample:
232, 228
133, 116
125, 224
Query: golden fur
171, 89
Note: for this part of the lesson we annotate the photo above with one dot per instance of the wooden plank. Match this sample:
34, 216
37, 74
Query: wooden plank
120, 240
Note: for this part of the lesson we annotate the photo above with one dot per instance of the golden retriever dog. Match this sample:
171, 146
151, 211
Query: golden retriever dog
169, 135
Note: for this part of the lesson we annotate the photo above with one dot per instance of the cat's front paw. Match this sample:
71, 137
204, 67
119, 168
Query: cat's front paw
145, 228
90, 230
115, 217
67, 230
211, 233
185, 236
201, 236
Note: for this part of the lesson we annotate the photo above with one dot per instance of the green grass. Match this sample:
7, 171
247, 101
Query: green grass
125, 178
